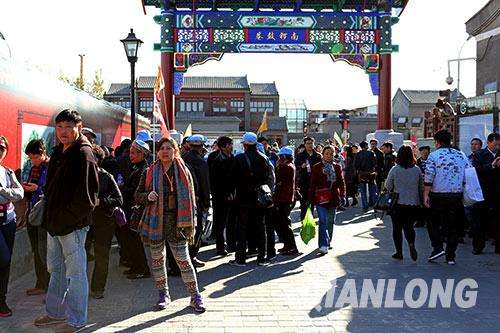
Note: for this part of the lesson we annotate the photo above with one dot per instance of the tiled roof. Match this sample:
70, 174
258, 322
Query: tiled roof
263, 89
146, 82
215, 82
201, 82
422, 96
119, 89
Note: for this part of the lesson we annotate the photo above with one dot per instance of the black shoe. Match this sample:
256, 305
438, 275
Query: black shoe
263, 263
461, 240
436, 254
354, 202
477, 252
451, 262
197, 263
251, 253
235, 263
271, 258
4, 310
128, 271
222, 253
397, 256
413, 253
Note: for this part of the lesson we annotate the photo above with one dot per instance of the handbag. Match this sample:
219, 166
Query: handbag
472, 188
120, 217
386, 202
264, 194
35, 215
323, 196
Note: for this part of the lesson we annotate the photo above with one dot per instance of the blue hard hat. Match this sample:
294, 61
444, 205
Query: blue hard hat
249, 138
260, 147
197, 139
286, 151
144, 135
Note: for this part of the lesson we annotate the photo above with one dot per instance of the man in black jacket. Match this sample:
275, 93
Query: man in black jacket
251, 170
365, 164
220, 164
303, 165
483, 161
199, 167
71, 195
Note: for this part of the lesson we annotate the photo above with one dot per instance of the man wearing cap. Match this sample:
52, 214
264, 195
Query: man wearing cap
249, 172
199, 167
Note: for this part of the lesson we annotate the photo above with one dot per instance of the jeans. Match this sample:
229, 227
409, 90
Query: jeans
7, 236
68, 291
402, 220
445, 223
372, 189
38, 241
326, 222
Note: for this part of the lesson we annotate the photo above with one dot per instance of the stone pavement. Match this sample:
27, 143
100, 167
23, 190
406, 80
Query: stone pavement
284, 296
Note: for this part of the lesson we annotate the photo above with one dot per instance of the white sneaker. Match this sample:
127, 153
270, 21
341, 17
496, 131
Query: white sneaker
323, 249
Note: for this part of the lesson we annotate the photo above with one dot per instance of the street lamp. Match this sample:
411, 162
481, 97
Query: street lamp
131, 45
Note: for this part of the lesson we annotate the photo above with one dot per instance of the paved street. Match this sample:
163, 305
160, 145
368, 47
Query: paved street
283, 297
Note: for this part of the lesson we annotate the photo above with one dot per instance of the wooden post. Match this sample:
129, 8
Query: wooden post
384, 98
167, 105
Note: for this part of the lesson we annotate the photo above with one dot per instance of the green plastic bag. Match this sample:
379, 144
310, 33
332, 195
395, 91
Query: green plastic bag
308, 229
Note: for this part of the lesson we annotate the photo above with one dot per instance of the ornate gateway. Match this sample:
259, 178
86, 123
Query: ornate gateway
358, 32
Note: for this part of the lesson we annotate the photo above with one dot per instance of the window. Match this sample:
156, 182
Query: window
261, 106
237, 106
146, 105
219, 105
402, 121
191, 106
416, 122
124, 104
490, 88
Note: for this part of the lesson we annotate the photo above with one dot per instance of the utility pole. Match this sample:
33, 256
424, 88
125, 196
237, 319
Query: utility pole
81, 82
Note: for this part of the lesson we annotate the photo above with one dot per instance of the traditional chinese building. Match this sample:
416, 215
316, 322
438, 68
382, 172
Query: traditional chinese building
213, 104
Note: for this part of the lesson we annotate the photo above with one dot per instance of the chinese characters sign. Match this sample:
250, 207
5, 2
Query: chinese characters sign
276, 36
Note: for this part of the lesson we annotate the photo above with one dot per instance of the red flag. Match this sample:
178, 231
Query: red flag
159, 85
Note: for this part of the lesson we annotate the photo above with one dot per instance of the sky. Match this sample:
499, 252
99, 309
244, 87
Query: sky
51, 34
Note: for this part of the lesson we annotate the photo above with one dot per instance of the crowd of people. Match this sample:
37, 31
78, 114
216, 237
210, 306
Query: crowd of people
155, 198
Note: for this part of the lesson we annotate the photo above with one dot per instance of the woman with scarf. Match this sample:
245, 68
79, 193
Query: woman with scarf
166, 188
10, 192
327, 191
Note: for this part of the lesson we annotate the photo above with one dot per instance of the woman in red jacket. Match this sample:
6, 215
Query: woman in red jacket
284, 197
328, 192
